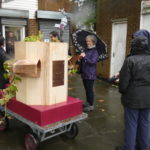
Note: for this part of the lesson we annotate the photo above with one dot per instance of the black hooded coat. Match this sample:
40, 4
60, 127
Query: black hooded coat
135, 76
3, 58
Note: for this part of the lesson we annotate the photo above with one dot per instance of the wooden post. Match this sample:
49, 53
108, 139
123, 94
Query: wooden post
51, 85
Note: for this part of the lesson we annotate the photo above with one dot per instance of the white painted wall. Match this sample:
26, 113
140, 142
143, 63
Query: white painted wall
145, 23
31, 5
145, 15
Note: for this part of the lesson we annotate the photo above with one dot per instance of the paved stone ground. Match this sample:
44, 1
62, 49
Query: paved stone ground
103, 129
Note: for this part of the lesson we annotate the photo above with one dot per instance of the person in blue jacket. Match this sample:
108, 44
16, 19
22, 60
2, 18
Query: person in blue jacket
89, 59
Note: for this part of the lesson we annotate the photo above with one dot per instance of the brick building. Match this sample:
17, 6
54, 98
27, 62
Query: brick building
26, 17
116, 22
18, 16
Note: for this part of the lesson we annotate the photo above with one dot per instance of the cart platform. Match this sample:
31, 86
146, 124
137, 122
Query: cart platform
44, 115
67, 127
42, 132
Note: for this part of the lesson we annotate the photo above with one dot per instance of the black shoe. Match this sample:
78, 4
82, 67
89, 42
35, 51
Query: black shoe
137, 147
85, 105
119, 148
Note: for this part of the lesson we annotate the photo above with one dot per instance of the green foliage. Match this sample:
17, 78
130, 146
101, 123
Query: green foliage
6, 75
11, 90
91, 20
73, 71
34, 38
92, 17
86, 14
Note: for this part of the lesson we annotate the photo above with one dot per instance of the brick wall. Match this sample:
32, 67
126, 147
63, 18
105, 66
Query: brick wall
32, 27
108, 10
55, 5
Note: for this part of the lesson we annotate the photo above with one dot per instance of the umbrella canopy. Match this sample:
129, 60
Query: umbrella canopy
79, 40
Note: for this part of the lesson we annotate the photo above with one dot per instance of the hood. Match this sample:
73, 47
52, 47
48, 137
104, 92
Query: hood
143, 33
139, 45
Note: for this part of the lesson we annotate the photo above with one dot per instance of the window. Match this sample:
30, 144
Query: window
12, 34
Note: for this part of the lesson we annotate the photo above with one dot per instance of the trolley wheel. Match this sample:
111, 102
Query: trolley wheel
31, 142
4, 124
73, 132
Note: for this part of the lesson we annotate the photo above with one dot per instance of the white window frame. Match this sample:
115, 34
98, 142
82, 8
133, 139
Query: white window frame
22, 30
145, 9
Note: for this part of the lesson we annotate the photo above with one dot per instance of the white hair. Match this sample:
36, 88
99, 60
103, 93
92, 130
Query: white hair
93, 38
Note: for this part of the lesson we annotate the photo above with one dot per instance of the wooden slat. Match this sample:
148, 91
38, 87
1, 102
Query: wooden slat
40, 91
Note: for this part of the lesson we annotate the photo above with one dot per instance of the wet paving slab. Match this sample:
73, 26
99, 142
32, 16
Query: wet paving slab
103, 130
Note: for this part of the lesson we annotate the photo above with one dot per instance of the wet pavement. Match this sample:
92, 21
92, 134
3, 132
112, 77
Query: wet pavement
103, 129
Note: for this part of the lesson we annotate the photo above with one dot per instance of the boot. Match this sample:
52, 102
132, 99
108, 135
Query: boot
88, 108
86, 104
119, 148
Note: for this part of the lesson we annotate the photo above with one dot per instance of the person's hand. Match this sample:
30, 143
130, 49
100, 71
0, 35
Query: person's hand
82, 55
78, 57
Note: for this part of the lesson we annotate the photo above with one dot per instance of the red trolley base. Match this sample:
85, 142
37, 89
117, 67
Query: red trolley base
44, 115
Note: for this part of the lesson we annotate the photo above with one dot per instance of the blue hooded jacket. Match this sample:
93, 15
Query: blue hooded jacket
143, 33
88, 64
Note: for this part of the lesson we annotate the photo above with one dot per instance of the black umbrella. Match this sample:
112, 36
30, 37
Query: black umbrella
80, 43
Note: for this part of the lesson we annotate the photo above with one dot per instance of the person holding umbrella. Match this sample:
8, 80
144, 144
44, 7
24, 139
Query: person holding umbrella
92, 50
89, 59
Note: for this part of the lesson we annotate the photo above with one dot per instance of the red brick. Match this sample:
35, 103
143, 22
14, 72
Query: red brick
33, 27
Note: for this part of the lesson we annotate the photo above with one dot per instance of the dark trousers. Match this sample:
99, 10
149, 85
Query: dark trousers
137, 127
88, 85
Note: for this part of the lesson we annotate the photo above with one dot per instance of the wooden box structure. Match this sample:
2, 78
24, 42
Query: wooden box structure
43, 70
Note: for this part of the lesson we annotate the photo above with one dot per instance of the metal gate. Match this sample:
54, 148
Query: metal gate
47, 26
14, 21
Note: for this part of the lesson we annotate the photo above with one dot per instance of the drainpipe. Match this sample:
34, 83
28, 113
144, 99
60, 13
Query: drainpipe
0, 3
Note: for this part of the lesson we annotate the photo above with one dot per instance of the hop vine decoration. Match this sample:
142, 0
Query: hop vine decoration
10, 91
34, 38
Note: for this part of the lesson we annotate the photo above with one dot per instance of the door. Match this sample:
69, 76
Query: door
12, 34
18, 32
118, 49
145, 19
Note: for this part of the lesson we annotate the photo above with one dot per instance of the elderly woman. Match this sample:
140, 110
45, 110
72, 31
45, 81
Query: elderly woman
88, 71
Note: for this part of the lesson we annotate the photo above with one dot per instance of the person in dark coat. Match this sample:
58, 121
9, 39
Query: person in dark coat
3, 58
10, 43
88, 71
143, 33
134, 85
